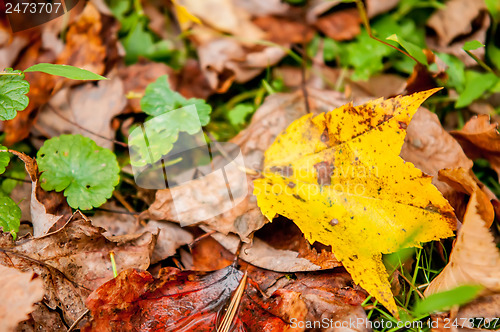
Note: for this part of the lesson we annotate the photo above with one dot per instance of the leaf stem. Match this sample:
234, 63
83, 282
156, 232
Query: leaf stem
7, 74
481, 62
366, 23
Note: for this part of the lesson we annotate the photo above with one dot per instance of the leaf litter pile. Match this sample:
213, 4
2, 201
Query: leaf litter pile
343, 175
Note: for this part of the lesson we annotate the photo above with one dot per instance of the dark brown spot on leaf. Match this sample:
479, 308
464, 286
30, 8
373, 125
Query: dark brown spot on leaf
402, 125
324, 172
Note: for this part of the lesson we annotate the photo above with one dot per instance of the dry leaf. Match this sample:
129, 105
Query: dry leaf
475, 259
460, 21
346, 186
81, 252
285, 31
225, 16
464, 181
19, 292
487, 307
480, 139
91, 105
49, 210
225, 60
430, 148
340, 25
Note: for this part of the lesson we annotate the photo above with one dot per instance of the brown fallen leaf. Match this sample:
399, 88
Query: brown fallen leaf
277, 112
42, 319
430, 148
340, 25
92, 106
19, 292
85, 47
195, 301
376, 7
480, 139
225, 60
284, 31
224, 16
60, 292
460, 21
280, 247
486, 307
475, 259
81, 252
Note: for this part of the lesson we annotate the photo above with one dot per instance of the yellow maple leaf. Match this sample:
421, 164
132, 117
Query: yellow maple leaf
339, 177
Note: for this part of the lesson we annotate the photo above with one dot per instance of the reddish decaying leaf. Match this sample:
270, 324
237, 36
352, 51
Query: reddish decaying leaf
187, 301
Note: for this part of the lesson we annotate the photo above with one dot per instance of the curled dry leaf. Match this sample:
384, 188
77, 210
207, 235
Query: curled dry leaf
475, 259
19, 292
49, 210
464, 181
195, 301
460, 21
480, 139
225, 60
277, 112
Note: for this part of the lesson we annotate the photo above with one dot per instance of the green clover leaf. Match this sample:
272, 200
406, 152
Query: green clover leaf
13, 90
85, 171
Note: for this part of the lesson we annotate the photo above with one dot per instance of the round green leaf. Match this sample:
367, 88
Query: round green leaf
10, 215
13, 90
85, 171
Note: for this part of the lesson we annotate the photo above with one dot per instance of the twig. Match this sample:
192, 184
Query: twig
72, 327
85, 129
199, 238
122, 200
118, 211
